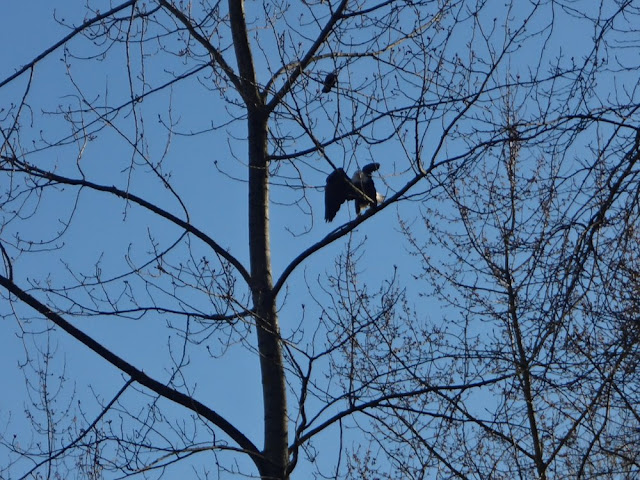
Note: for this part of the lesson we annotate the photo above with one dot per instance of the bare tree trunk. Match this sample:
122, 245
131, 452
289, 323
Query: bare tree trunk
271, 365
276, 442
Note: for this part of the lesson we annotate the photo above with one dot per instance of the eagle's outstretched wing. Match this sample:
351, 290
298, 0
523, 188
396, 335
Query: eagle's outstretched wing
336, 192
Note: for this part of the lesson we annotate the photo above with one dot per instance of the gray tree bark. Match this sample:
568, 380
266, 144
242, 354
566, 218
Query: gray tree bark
276, 449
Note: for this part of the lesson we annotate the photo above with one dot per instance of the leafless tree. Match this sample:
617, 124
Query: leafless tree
497, 338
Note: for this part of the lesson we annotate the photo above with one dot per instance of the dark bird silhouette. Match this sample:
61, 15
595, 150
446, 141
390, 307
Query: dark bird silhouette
329, 81
340, 189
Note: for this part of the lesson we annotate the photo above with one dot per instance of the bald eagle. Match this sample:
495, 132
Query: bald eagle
363, 181
329, 81
360, 188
